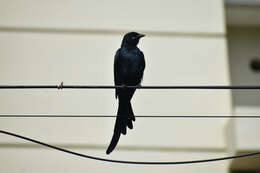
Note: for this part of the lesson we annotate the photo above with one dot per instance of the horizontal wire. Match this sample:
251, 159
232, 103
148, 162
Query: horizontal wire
247, 87
138, 116
127, 162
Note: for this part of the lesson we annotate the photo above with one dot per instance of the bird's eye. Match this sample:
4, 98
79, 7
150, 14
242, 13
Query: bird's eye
133, 38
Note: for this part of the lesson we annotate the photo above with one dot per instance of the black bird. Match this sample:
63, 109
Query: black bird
129, 67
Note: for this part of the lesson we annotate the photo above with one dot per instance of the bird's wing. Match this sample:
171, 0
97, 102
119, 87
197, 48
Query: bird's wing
142, 65
116, 70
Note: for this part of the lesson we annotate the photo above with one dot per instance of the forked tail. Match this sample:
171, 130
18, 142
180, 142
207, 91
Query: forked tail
124, 119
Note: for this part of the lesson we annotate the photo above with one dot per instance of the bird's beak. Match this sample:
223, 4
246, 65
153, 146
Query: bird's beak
141, 35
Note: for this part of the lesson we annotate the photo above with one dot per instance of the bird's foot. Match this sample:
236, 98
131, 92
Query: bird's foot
123, 86
139, 86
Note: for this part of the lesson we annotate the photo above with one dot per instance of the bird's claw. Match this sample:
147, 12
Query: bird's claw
123, 86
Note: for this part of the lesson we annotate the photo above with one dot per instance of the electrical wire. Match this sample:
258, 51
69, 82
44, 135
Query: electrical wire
138, 116
61, 86
127, 162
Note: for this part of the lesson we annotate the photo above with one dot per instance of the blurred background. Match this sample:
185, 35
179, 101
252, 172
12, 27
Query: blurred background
187, 42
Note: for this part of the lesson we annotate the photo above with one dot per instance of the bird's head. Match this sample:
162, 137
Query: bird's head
131, 39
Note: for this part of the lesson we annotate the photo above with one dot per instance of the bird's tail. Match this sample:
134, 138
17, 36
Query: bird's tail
124, 119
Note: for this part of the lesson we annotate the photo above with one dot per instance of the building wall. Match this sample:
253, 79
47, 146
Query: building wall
243, 48
243, 41
46, 42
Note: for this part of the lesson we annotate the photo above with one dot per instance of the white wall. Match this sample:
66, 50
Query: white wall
244, 47
47, 42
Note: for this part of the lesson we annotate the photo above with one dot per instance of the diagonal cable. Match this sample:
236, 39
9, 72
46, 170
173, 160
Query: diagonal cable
127, 162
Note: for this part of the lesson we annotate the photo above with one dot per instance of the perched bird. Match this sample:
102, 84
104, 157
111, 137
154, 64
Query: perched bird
129, 67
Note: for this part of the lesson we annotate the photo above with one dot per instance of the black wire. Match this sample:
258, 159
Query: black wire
247, 87
138, 116
126, 162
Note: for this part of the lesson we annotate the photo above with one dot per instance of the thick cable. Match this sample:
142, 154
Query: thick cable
127, 162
